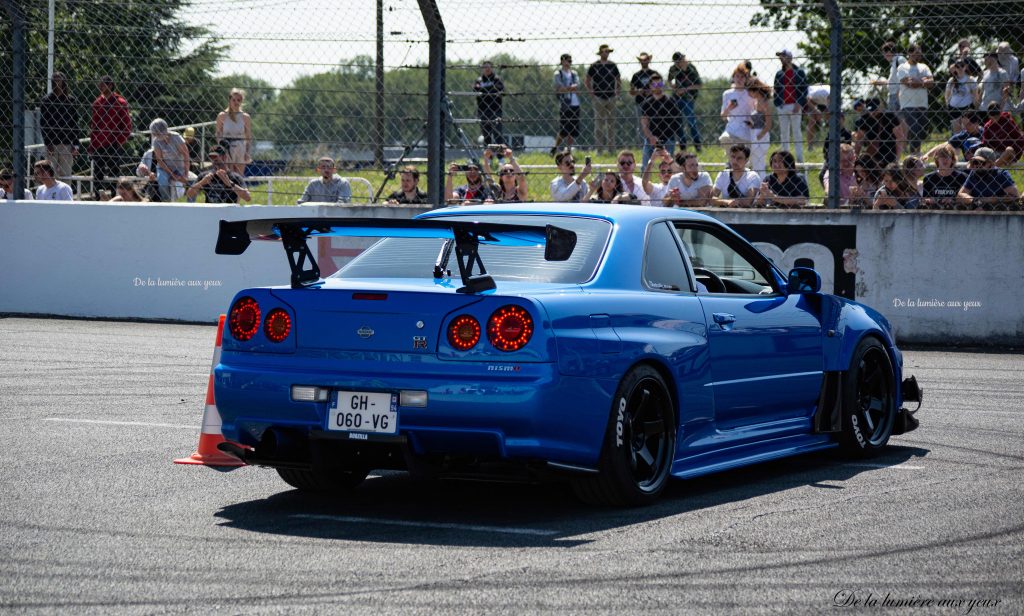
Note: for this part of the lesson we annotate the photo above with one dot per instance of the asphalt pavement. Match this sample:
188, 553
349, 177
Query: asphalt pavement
95, 519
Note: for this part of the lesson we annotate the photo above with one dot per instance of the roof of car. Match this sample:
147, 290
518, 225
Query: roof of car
611, 212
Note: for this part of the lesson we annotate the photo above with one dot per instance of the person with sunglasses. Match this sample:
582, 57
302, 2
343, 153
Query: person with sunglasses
218, 183
511, 186
565, 187
7, 186
631, 185
656, 191
986, 185
659, 119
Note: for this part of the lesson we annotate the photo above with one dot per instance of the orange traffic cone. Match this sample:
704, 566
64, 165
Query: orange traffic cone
210, 435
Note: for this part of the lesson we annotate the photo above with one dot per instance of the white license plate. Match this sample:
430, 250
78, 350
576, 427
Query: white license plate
363, 411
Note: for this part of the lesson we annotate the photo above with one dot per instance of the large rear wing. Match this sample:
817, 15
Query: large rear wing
465, 235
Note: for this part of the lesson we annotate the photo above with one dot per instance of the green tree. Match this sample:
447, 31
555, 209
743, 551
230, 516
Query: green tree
936, 26
160, 63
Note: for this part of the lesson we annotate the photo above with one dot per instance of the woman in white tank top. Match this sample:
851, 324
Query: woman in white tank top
235, 127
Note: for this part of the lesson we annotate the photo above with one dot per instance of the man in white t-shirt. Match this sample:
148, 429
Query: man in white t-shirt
567, 187
993, 80
692, 187
915, 79
50, 188
736, 186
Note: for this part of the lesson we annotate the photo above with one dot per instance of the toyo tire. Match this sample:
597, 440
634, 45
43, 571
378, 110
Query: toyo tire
639, 444
869, 400
321, 481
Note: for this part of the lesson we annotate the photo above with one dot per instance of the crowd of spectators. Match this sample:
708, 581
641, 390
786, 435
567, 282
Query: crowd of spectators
881, 164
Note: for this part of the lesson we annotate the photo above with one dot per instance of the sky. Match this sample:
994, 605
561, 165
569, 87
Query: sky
279, 40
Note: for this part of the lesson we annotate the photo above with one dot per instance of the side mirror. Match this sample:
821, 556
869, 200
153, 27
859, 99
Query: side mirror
803, 280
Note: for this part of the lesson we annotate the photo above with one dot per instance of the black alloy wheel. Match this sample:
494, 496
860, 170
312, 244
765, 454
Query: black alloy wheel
639, 444
869, 404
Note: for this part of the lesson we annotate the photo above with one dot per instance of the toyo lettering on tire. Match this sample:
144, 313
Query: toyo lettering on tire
321, 480
639, 443
869, 400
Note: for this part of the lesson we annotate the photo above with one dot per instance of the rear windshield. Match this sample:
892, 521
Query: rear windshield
400, 257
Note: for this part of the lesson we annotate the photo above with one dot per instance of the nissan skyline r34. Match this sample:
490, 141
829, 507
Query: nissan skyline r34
615, 346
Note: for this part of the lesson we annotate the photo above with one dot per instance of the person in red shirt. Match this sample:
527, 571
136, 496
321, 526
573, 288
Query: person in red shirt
1002, 134
110, 128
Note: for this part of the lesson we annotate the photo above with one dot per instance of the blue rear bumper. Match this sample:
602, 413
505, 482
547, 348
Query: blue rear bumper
524, 411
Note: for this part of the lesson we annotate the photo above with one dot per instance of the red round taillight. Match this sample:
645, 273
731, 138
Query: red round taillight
278, 325
510, 328
244, 321
464, 332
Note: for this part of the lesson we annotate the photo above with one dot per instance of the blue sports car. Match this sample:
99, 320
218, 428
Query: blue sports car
613, 346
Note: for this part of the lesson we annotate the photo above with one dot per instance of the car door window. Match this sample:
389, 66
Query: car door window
719, 262
664, 269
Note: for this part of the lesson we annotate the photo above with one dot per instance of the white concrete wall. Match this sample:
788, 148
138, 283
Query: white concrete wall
940, 278
949, 278
138, 261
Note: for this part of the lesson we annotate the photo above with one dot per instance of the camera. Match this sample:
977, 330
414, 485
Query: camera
586, 160
497, 148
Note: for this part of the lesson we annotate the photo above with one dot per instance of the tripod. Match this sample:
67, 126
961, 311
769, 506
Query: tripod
395, 166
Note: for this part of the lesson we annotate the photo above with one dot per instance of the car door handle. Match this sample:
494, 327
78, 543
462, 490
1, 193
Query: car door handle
724, 318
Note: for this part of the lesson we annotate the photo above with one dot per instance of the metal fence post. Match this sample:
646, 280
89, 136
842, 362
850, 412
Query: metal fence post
378, 109
18, 95
835, 102
435, 101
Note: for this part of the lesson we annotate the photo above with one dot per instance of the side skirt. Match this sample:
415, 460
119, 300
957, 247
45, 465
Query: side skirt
753, 454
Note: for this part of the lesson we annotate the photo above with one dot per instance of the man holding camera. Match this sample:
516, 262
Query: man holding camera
217, 183
473, 191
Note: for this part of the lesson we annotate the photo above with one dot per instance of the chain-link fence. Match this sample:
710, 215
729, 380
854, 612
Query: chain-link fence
349, 80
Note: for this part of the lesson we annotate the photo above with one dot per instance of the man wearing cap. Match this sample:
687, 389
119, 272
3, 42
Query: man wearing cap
473, 191
685, 82
217, 183
790, 99
604, 83
170, 160
110, 128
328, 188
915, 80
639, 87
567, 86
986, 185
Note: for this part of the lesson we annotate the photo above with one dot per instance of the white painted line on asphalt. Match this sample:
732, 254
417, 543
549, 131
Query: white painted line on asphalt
483, 529
120, 423
907, 467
